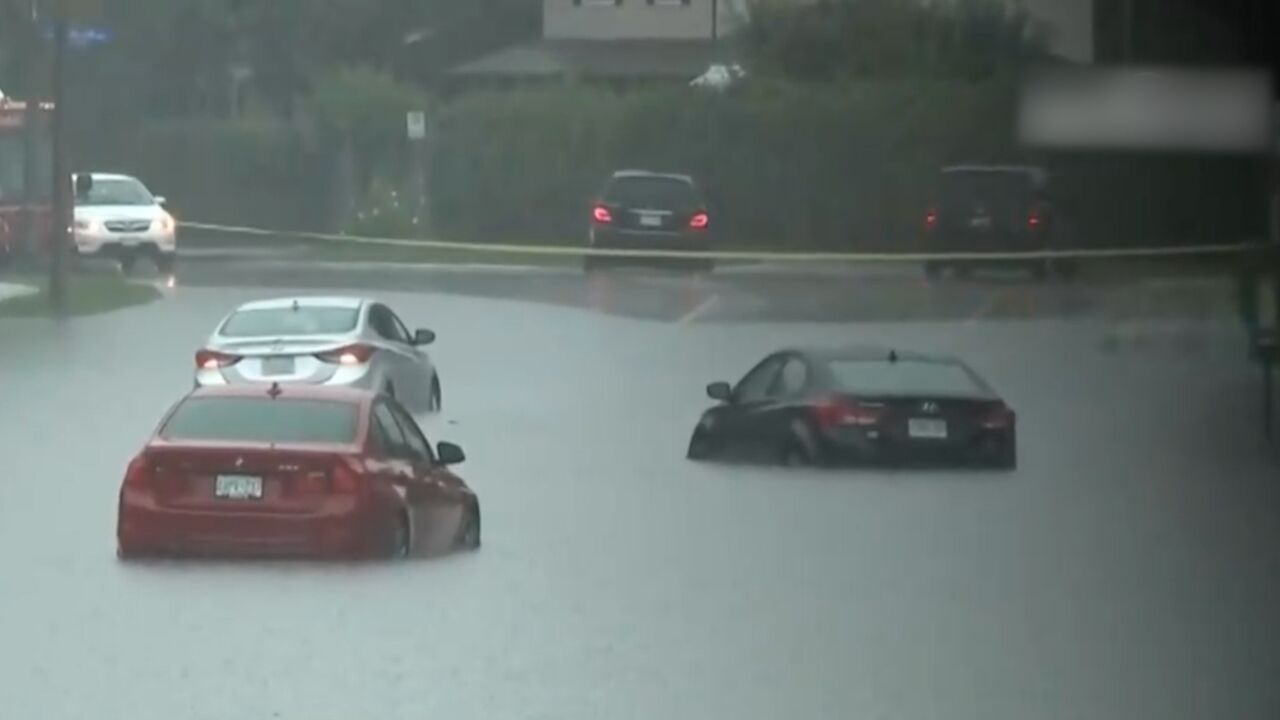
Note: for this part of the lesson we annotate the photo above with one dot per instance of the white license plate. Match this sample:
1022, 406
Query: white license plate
277, 366
927, 429
651, 220
980, 222
238, 487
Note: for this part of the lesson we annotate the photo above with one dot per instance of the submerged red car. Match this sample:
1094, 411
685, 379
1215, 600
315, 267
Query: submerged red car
294, 471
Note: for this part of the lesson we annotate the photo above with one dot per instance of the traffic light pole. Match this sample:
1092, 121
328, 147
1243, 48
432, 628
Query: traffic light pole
61, 178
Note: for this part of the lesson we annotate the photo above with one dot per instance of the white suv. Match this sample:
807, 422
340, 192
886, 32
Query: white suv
117, 217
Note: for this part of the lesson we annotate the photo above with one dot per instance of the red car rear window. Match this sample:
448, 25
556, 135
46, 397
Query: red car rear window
262, 420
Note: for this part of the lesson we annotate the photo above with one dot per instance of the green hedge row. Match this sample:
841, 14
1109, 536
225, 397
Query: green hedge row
785, 165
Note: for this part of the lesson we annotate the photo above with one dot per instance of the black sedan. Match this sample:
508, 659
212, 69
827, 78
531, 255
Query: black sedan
857, 405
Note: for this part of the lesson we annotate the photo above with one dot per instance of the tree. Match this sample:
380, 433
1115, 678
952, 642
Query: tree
868, 39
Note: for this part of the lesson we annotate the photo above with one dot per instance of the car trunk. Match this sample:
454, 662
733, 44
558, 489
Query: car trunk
242, 479
937, 420
988, 210
283, 359
651, 204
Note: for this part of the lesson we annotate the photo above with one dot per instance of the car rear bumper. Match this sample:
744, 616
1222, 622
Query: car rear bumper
145, 529
983, 449
617, 239
360, 378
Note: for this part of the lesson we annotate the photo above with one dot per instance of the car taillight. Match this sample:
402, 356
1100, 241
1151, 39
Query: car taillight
931, 219
601, 215
357, 354
138, 475
837, 412
699, 221
998, 418
344, 479
214, 360
1034, 220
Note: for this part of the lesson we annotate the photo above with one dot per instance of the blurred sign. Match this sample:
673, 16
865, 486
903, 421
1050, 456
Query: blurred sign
417, 124
1154, 109
83, 37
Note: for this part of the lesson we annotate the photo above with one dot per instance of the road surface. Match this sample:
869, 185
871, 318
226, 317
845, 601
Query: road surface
1128, 569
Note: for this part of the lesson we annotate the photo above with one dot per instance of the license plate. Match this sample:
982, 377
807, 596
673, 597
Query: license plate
651, 220
980, 222
927, 429
277, 366
238, 487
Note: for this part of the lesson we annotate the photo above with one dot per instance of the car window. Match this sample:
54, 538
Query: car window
997, 192
391, 440
880, 377
793, 379
756, 384
123, 191
262, 420
652, 192
387, 325
300, 320
400, 329
414, 439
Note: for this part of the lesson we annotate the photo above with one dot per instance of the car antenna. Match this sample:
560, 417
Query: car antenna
893, 356
274, 391
296, 305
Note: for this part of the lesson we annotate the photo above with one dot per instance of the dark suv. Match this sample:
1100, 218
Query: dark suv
989, 208
640, 210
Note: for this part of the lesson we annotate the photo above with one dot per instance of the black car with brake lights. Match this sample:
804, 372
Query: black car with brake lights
858, 405
641, 210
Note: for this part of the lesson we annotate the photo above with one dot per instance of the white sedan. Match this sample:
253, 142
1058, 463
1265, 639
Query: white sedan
117, 217
345, 341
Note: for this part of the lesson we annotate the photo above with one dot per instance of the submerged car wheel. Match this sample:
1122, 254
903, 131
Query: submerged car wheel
400, 540
436, 402
469, 537
794, 454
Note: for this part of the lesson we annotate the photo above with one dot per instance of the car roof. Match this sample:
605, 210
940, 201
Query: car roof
337, 301
628, 174
831, 353
332, 393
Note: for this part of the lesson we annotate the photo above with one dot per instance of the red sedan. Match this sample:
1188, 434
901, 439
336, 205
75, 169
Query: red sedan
294, 471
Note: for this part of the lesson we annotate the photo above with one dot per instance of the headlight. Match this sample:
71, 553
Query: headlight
88, 225
164, 223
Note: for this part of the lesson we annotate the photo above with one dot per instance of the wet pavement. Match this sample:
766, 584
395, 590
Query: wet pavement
1128, 568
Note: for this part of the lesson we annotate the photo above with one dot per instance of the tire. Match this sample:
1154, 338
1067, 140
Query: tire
163, 261
128, 261
794, 454
436, 402
400, 541
1040, 270
469, 534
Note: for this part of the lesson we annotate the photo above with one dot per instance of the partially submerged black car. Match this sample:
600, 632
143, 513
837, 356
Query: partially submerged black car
858, 405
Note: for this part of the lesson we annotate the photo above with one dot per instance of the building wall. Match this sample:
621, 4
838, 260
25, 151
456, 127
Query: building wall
627, 20
1069, 24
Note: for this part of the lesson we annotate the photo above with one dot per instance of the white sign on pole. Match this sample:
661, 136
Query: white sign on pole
417, 124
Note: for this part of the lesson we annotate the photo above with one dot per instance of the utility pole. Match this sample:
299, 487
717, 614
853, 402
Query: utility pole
30, 120
61, 178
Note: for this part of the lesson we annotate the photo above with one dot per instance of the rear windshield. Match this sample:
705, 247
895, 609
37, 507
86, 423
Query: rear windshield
994, 191
262, 420
305, 320
905, 377
652, 192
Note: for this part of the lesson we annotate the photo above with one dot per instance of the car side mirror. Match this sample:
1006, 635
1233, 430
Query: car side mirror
720, 391
423, 337
161, 200
450, 454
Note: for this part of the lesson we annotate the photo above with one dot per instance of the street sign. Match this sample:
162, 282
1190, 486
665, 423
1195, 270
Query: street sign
417, 124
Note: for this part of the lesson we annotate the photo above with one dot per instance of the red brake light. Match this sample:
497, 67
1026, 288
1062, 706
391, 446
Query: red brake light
138, 476
214, 360
357, 354
931, 219
700, 221
998, 418
601, 215
345, 481
1034, 220
836, 412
